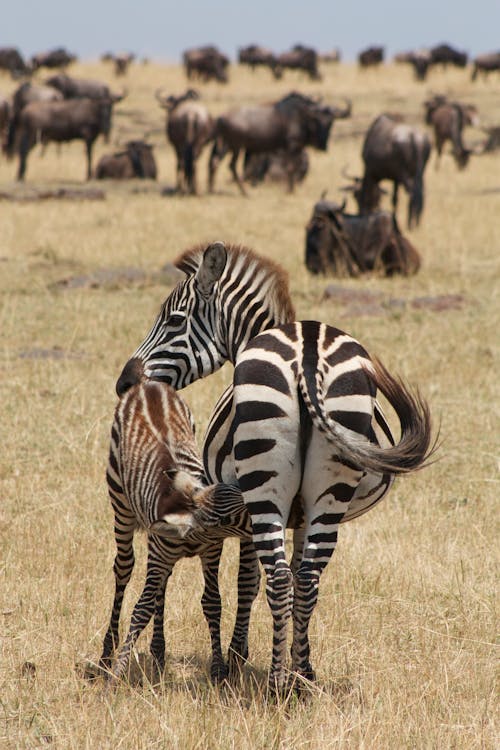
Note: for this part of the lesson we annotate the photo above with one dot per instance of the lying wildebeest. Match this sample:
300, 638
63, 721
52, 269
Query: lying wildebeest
136, 160
78, 119
83, 88
445, 54
371, 56
290, 124
189, 127
56, 58
345, 244
485, 64
12, 61
274, 166
394, 151
448, 120
26, 93
255, 56
206, 63
300, 58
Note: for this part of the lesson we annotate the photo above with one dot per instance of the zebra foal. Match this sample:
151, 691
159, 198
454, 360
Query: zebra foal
300, 428
156, 483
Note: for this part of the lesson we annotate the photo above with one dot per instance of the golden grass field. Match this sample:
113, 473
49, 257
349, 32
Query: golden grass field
403, 635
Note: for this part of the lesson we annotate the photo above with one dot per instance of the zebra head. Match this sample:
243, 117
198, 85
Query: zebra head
186, 341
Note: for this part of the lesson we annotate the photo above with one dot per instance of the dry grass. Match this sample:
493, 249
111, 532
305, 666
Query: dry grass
404, 631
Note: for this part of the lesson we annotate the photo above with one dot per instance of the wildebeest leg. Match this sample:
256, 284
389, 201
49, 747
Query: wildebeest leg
122, 568
248, 588
234, 172
219, 150
395, 196
88, 145
157, 572
24, 148
439, 150
180, 171
211, 603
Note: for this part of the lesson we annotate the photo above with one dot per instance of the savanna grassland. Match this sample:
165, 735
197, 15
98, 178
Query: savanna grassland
403, 635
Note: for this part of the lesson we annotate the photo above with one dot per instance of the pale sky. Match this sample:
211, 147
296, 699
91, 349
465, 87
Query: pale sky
162, 30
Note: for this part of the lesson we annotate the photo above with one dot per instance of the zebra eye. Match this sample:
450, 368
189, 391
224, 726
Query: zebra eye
176, 320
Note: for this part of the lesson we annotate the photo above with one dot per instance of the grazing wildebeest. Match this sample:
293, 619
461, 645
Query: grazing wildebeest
56, 58
12, 61
274, 166
206, 63
136, 160
189, 127
371, 56
485, 64
445, 54
26, 93
448, 120
255, 56
290, 124
394, 151
78, 119
83, 88
419, 59
342, 244
300, 58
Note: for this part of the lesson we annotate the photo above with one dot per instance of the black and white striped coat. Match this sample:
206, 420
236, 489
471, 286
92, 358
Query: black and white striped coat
157, 484
300, 426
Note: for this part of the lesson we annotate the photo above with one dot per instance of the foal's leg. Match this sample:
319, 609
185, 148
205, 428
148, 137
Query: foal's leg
248, 588
123, 566
212, 608
157, 647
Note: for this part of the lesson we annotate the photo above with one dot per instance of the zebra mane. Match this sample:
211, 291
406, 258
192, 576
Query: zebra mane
189, 261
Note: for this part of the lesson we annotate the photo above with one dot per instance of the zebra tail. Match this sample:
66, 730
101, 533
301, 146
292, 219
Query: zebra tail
415, 446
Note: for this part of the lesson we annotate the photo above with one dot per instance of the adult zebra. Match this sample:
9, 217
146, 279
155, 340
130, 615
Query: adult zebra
302, 423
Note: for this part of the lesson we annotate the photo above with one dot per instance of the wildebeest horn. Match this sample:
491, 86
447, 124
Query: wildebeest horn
347, 176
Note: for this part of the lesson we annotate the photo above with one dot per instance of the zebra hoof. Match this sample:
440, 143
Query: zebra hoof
237, 656
218, 673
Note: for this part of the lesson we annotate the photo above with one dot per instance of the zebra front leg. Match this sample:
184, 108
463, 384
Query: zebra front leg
157, 572
122, 568
212, 608
248, 588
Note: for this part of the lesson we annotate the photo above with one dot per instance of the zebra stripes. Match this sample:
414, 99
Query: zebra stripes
156, 483
300, 428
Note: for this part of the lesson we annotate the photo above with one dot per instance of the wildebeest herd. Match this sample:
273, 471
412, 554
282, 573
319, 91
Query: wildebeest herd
303, 394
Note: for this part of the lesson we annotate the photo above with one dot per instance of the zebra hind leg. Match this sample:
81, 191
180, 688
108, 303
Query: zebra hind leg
157, 647
248, 588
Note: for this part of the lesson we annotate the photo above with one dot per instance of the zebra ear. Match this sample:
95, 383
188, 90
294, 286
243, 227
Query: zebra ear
211, 268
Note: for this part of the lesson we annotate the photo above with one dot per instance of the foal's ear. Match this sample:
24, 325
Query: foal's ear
211, 268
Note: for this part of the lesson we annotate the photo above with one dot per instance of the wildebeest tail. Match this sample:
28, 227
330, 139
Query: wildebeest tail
414, 448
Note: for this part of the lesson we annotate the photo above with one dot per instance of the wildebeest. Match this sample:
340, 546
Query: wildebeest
334, 56
79, 119
206, 63
26, 93
55, 58
445, 54
485, 64
189, 127
5, 110
83, 88
12, 61
121, 61
135, 160
300, 58
290, 124
274, 166
345, 244
419, 59
396, 151
256, 56
448, 120
371, 56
